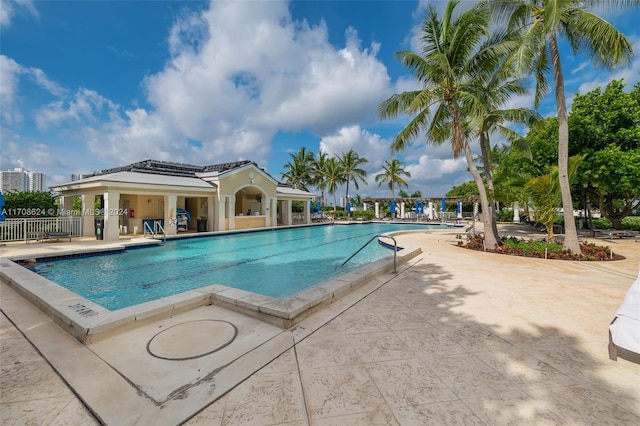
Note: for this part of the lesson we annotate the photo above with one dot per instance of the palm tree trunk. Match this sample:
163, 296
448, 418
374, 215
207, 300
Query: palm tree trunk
570, 233
485, 148
490, 239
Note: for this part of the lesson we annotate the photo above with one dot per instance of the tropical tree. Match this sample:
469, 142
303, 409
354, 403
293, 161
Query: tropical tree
540, 23
298, 170
317, 176
457, 57
604, 126
499, 87
29, 204
545, 196
333, 174
350, 162
414, 194
392, 174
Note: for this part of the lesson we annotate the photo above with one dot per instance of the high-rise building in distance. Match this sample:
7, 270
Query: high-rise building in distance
19, 179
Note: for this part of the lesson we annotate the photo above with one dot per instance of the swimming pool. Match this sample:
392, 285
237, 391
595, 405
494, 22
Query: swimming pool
277, 263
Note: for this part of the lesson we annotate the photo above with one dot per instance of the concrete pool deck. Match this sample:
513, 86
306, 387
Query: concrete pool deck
455, 337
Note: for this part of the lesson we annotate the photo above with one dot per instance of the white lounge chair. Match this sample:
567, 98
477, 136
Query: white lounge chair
624, 330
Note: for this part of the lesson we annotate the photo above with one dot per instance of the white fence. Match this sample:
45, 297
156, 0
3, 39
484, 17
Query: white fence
25, 229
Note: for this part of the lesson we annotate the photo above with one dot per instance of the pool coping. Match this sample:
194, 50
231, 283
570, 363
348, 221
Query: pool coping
89, 322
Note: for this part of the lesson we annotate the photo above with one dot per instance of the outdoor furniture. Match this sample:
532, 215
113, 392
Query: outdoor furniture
624, 339
53, 235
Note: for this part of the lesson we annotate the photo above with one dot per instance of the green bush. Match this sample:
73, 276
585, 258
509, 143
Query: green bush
532, 246
505, 215
364, 214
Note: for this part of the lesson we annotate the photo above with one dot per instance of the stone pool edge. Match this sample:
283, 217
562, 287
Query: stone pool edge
89, 322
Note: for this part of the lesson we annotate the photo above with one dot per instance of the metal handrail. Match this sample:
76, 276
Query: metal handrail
395, 250
157, 224
154, 231
147, 226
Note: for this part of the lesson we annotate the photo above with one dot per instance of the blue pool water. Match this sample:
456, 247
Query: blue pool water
277, 263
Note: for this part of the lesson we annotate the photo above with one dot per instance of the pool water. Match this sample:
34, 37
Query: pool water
278, 263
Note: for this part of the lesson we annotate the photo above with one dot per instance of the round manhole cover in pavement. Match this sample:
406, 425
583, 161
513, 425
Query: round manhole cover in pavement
192, 339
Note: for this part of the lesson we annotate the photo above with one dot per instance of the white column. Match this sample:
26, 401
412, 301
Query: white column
111, 216
66, 206
307, 212
230, 209
219, 207
430, 210
170, 214
516, 212
272, 212
88, 215
377, 210
402, 210
212, 210
287, 217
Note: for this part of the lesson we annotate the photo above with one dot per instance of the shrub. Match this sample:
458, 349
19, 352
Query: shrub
539, 249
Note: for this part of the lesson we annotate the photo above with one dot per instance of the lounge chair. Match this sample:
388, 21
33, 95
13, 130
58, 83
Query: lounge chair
624, 330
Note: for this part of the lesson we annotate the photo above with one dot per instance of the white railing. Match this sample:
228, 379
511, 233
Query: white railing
24, 229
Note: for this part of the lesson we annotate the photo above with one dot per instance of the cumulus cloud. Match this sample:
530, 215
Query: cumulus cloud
84, 105
12, 73
242, 71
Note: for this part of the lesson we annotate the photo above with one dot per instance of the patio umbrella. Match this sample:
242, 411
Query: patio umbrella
444, 205
392, 208
459, 210
319, 207
348, 208
2, 216
417, 207
421, 207
311, 206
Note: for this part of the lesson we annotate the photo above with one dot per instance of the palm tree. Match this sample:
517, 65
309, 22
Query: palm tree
540, 23
298, 170
393, 172
458, 56
317, 167
350, 162
500, 86
333, 174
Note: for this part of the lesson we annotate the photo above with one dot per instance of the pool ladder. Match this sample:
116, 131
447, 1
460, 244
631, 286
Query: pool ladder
157, 226
395, 250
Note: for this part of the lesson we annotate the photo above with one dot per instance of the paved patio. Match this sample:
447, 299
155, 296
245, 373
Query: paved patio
456, 337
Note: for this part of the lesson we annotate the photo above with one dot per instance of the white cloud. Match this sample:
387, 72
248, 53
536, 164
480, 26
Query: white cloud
10, 71
242, 71
85, 105
8, 10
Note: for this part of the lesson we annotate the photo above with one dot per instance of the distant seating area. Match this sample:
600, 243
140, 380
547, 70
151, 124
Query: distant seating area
613, 233
50, 236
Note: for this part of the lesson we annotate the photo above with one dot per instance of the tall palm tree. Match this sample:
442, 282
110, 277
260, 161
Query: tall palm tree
393, 172
540, 23
298, 170
333, 174
352, 172
457, 57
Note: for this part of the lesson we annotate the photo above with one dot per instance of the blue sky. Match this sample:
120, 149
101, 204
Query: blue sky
91, 85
